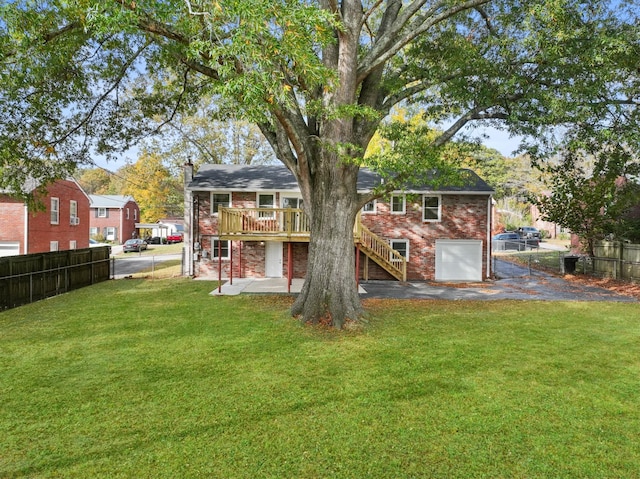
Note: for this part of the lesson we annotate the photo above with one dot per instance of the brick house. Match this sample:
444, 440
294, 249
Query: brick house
247, 221
63, 223
113, 217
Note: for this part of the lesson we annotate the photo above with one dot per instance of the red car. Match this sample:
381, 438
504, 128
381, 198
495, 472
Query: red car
174, 238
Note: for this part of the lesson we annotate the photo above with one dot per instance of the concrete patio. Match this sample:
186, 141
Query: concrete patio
261, 285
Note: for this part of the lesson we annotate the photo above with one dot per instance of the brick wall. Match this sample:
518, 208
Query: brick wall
42, 231
117, 218
130, 216
12, 220
463, 217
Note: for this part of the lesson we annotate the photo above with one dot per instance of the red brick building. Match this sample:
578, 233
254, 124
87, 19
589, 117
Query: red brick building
113, 217
63, 223
441, 235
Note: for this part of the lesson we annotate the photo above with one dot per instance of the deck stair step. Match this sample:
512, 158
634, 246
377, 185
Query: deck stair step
380, 252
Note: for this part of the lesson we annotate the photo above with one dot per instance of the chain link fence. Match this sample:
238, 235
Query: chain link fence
616, 261
148, 265
518, 262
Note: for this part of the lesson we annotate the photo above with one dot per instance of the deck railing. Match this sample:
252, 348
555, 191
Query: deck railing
263, 224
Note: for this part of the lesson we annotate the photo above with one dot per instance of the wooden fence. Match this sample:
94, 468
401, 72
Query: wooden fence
32, 277
617, 260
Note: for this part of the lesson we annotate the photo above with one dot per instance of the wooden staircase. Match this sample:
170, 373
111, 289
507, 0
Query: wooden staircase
380, 252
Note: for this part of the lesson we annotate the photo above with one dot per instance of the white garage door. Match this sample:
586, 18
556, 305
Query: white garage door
9, 248
458, 260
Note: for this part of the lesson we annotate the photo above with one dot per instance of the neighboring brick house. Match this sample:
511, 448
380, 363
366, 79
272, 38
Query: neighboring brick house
63, 223
439, 234
113, 217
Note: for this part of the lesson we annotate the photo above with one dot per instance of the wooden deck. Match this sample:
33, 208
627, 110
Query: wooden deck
263, 224
292, 225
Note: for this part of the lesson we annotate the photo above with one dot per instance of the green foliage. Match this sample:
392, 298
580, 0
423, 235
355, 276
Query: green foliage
73, 61
406, 155
509, 177
592, 190
157, 193
94, 180
84, 77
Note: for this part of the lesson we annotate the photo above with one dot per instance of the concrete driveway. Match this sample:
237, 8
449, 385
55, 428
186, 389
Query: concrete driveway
518, 285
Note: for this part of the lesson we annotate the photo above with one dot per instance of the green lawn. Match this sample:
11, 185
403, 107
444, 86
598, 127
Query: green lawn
157, 379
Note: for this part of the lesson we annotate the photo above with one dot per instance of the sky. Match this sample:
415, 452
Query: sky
499, 140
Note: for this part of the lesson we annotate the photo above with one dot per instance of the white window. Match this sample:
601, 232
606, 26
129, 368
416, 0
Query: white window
102, 212
401, 246
110, 233
218, 200
431, 208
369, 207
9, 248
73, 213
398, 204
73, 244
266, 200
55, 213
223, 247
291, 202
53, 246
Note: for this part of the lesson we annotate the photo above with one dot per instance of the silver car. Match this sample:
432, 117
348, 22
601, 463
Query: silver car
134, 245
529, 232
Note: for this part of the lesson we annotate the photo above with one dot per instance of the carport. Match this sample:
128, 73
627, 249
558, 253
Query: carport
162, 229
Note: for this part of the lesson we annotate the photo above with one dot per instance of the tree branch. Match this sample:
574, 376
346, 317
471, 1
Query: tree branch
101, 98
392, 41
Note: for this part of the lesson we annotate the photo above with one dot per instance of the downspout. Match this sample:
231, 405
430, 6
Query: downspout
25, 246
489, 225
189, 242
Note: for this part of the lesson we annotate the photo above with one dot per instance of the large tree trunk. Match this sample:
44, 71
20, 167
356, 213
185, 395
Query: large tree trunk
329, 179
330, 293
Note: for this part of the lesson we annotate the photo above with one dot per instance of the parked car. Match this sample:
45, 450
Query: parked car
529, 232
134, 245
174, 238
512, 240
504, 241
93, 243
154, 240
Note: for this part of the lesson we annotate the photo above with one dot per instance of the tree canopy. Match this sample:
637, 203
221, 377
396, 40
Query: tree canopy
593, 190
157, 193
81, 77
